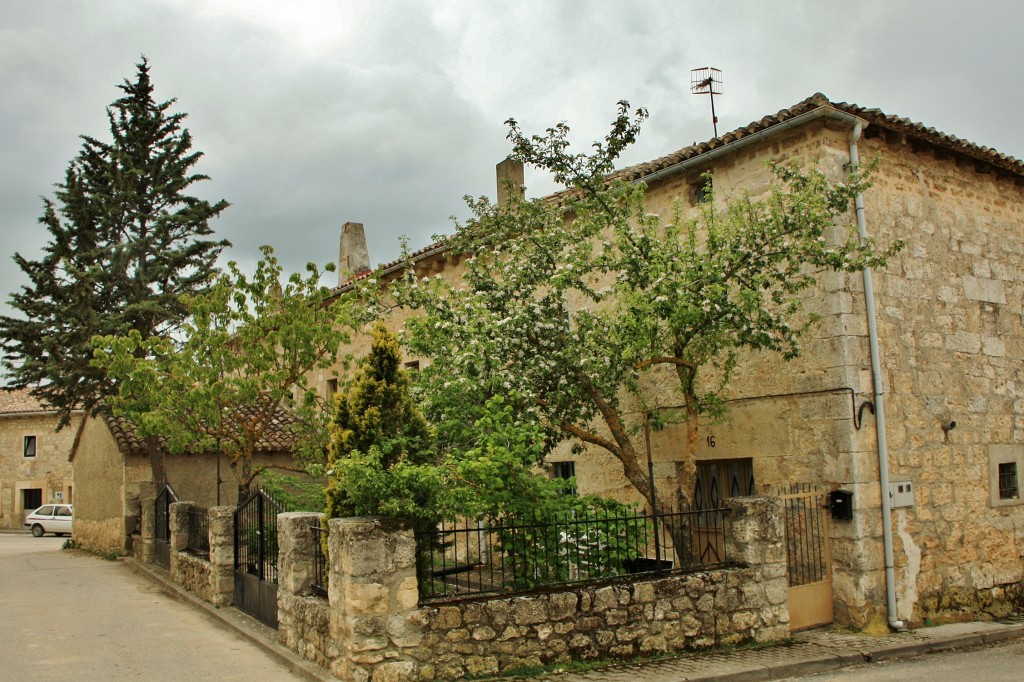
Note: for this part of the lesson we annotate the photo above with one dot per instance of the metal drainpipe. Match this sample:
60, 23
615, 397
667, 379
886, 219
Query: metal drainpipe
876, 379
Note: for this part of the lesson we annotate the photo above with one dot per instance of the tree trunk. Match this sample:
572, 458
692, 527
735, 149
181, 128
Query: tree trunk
155, 453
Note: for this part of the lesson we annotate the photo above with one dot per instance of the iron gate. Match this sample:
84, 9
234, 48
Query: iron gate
808, 559
256, 556
162, 530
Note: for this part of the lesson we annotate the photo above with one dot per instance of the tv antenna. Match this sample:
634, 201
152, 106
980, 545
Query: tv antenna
707, 81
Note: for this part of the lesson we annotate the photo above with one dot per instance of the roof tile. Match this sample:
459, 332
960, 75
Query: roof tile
21, 401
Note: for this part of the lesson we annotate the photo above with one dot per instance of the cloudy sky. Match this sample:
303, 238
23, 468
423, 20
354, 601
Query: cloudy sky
386, 112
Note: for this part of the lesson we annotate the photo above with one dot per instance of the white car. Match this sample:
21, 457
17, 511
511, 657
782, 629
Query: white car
50, 518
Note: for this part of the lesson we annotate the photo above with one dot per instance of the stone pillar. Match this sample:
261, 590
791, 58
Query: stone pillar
373, 594
754, 531
178, 521
148, 530
303, 620
295, 551
222, 555
755, 536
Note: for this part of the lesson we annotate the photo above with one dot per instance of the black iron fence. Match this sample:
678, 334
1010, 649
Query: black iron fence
162, 526
513, 555
198, 532
319, 586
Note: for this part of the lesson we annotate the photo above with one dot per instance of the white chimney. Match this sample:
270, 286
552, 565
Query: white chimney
353, 256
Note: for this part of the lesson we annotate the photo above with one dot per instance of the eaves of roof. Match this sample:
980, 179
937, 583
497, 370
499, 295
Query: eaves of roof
278, 437
704, 151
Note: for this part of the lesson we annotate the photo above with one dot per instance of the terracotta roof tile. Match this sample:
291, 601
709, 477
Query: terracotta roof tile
279, 437
21, 401
875, 118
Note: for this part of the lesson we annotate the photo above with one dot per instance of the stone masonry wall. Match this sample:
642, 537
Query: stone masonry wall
211, 579
377, 630
303, 619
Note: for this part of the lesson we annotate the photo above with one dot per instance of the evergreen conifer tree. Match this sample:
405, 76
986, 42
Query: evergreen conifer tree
126, 242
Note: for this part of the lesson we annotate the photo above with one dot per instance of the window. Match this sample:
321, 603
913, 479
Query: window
702, 190
1005, 463
31, 498
719, 479
565, 471
412, 366
30, 446
1008, 481
332, 388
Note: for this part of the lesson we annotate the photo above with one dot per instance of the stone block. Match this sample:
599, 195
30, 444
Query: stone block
528, 611
605, 598
447, 617
984, 289
394, 671
367, 598
562, 606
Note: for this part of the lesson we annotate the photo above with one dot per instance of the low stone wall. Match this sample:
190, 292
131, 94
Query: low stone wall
643, 618
375, 629
212, 580
304, 626
100, 536
192, 573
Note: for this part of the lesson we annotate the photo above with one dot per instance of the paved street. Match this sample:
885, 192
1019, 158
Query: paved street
993, 663
70, 615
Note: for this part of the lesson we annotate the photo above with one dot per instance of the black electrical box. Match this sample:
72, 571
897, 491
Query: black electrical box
840, 505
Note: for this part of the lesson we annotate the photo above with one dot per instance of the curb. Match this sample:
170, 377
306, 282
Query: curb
818, 657
824, 658
242, 625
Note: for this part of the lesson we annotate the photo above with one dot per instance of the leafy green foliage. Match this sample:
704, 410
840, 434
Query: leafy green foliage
380, 454
296, 493
242, 370
598, 315
126, 244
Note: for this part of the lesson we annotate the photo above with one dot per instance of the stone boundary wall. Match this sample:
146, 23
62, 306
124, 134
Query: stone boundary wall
377, 630
211, 579
304, 621
644, 618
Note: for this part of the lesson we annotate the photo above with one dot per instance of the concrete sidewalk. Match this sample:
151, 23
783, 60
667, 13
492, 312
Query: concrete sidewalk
814, 651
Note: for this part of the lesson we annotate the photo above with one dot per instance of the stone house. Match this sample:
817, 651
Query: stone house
34, 466
115, 479
909, 394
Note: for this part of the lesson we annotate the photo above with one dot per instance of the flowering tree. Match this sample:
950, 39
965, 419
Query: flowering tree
241, 370
597, 314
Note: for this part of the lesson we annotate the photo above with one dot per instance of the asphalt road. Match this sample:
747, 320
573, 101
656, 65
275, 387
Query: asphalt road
68, 615
993, 663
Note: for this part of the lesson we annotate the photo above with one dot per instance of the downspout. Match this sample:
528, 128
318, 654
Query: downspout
876, 380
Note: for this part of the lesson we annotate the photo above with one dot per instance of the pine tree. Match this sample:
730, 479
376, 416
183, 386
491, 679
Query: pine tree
126, 242
376, 427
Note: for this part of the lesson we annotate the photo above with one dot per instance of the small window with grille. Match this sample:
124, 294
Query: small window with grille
1005, 464
1008, 481
565, 471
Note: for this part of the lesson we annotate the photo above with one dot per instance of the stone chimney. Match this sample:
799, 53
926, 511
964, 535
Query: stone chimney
510, 173
353, 256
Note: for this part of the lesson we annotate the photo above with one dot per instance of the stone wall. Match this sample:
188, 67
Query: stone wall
304, 620
376, 629
188, 570
211, 578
